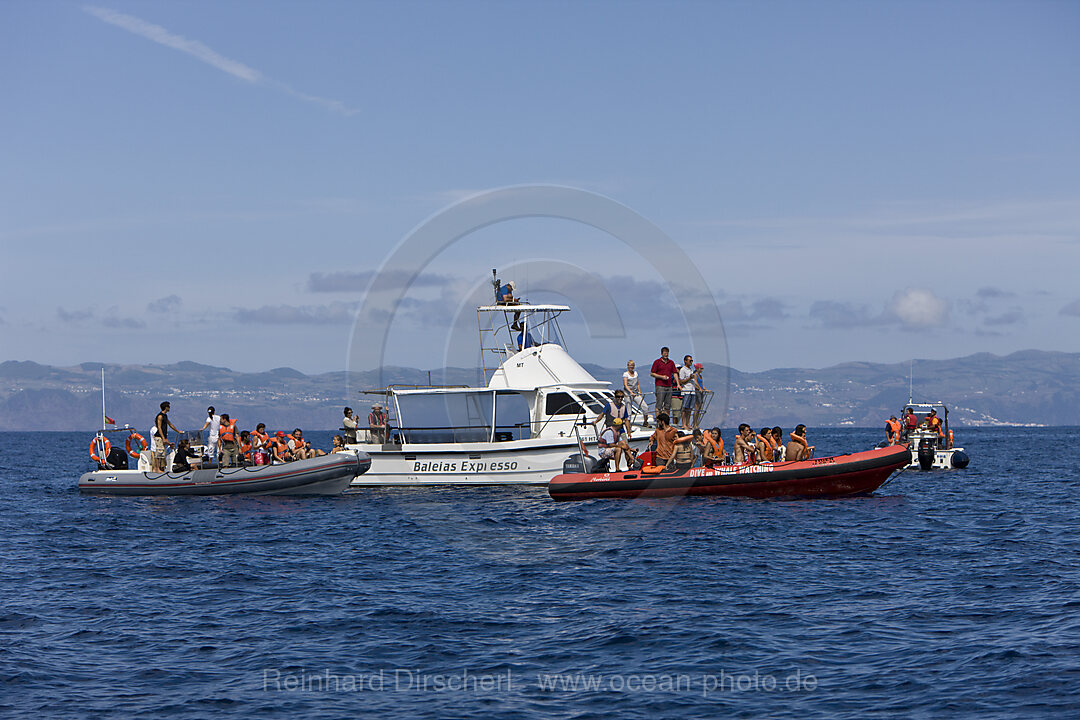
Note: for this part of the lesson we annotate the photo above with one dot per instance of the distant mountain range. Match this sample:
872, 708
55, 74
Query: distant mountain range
1026, 388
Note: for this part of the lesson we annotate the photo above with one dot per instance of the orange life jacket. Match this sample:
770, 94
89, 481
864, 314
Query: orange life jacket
264, 439
717, 446
894, 427
764, 448
245, 449
228, 431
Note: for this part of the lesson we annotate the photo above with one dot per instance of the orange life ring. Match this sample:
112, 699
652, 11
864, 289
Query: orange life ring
93, 446
142, 442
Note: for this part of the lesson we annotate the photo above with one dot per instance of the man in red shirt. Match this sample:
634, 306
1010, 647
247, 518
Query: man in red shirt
664, 372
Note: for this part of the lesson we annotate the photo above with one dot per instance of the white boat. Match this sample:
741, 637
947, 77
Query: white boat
930, 450
517, 430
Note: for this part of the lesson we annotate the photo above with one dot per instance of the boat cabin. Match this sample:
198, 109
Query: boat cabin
535, 389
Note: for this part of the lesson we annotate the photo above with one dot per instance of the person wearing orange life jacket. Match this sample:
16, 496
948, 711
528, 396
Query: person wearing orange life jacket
934, 423
299, 448
279, 447
892, 430
260, 445
766, 451
246, 448
712, 448
230, 445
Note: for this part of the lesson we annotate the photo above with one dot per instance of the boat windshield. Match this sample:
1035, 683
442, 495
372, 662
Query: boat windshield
466, 416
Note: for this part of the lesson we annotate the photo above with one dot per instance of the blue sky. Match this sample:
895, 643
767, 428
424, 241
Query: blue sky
855, 181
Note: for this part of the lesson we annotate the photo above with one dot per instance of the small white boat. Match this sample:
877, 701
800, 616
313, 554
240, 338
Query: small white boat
929, 449
516, 430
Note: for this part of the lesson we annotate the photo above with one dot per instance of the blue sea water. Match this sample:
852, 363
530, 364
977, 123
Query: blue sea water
944, 594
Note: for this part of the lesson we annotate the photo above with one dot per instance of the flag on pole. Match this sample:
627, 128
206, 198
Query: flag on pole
109, 420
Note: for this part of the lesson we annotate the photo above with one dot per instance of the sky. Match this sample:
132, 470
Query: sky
223, 181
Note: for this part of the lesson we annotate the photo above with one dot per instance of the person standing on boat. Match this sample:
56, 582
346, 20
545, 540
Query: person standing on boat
699, 399
631, 383
892, 430
160, 438
213, 421
665, 374
377, 423
689, 386
911, 422
230, 446
349, 426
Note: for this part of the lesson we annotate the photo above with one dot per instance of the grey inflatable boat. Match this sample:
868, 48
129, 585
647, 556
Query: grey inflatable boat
326, 475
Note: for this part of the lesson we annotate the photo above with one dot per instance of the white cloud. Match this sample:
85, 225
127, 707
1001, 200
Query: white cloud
160, 35
919, 308
198, 50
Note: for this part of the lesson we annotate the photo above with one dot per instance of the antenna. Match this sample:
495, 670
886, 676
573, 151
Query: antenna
104, 422
911, 369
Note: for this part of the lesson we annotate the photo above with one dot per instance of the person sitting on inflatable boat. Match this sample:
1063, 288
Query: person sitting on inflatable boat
613, 445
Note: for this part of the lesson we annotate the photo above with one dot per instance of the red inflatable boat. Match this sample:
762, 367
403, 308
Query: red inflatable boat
853, 474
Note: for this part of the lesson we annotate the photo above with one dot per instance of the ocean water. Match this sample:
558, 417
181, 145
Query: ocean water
944, 594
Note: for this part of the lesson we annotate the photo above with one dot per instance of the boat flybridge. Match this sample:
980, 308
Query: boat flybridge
516, 430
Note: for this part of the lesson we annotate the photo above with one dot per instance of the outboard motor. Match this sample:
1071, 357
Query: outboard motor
578, 464
926, 453
960, 459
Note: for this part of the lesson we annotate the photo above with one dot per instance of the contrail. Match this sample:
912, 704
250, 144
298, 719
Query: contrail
198, 50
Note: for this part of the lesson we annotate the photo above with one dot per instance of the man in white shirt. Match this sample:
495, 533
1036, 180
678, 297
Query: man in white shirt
688, 385
213, 422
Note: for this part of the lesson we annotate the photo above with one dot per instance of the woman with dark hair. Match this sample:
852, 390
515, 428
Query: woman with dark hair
185, 459
798, 448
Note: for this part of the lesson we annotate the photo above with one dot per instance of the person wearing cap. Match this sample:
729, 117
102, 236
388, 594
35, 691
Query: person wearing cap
377, 423
213, 421
505, 296
280, 447
699, 402
689, 386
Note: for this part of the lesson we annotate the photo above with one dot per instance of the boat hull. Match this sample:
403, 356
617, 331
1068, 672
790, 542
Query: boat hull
527, 462
853, 474
326, 475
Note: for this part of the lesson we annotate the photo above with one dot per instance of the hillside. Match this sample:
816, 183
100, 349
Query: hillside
1029, 387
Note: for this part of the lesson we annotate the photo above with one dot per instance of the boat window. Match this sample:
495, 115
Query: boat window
560, 403
596, 404
511, 417
445, 417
